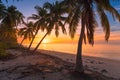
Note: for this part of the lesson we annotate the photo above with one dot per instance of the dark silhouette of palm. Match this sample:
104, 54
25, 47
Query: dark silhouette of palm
54, 19
9, 22
12, 17
40, 21
27, 32
85, 11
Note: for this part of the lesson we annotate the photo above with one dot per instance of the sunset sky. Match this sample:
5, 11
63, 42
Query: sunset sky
37, 48
27, 8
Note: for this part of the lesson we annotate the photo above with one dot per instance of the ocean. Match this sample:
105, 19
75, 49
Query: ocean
110, 50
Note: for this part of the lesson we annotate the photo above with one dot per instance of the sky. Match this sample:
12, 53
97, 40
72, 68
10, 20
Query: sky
27, 8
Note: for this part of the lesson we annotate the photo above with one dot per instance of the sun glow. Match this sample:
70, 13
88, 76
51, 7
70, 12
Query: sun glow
45, 41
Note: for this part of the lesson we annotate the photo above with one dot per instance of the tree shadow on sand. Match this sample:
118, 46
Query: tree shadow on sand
88, 75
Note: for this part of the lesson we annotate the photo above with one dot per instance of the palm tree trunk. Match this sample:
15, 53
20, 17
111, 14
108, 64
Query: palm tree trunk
79, 65
32, 40
22, 42
40, 42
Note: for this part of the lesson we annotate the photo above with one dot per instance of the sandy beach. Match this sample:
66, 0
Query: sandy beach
85, 33
41, 66
107, 67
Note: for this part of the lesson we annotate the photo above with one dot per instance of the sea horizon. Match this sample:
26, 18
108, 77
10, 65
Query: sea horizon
106, 50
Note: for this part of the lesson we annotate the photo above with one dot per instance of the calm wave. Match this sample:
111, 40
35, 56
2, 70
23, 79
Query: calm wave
105, 50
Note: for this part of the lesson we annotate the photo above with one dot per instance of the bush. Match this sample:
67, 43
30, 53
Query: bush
3, 53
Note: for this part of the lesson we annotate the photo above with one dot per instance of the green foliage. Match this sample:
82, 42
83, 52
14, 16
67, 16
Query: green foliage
9, 22
3, 53
8, 43
27, 32
56, 20
85, 11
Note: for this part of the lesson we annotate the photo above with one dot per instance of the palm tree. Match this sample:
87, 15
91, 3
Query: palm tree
85, 11
54, 19
12, 17
27, 32
9, 22
40, 23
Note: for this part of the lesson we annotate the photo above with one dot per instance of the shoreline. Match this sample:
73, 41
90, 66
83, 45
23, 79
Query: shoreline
107, 67
67, 53
53, 66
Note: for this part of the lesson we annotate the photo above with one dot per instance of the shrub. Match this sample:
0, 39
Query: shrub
3, 53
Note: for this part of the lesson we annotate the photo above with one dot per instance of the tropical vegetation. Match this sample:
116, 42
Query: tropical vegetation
53, 17
10, 18
84, 12
8, 26
40, 22
27, 32
50, 17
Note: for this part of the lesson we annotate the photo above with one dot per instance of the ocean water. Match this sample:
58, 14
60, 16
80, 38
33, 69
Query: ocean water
109, 50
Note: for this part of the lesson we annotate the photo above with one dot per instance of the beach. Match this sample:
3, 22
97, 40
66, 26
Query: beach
59, 40
44, 66
107, 67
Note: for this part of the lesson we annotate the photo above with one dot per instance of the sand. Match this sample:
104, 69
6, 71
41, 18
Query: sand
39, 66
107, 67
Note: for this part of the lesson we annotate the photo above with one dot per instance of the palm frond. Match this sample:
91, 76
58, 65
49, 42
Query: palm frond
62, 27
47, 5
105, 4
104, 22
56, 30
74, 21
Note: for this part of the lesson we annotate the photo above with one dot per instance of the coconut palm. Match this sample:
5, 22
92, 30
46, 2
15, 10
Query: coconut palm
55, 19
9, 22
12, 17
40, 21
85, 11
27, 32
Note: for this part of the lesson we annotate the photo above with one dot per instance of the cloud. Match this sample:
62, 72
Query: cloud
115, 28
117, 7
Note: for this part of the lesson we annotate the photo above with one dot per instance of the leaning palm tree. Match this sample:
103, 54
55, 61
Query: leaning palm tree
26, 32
85, 11
40, 22
54, 19
9, 22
